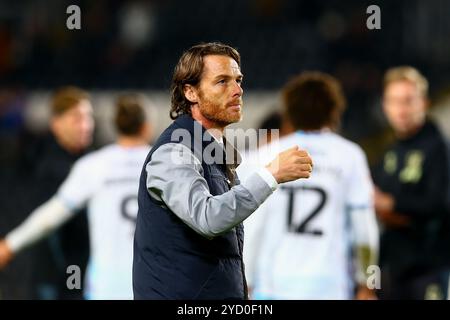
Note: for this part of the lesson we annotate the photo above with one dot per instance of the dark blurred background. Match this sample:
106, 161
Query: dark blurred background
125, 45
135, 44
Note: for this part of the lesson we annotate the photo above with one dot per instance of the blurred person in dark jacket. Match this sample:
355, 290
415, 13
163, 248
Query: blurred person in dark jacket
411, 189
45, 164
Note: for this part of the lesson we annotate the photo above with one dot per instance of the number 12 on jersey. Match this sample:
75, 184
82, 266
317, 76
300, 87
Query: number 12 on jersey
304, 227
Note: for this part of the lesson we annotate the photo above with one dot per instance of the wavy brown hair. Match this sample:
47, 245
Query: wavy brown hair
189, 71
313, 100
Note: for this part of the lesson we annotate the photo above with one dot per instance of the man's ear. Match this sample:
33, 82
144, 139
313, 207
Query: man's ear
190, 92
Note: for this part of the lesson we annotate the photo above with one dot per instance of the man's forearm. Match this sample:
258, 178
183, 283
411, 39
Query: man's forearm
174, 177
366, 241
39, 224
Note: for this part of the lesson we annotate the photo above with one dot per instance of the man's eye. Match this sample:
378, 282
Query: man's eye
239, 81
221, 81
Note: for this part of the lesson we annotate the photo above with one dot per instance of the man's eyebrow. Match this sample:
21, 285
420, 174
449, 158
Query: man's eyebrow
227, 76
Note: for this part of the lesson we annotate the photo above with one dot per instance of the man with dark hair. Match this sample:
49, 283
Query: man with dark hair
411, 195
106, 182
298, 241
131, 115
189, 234
312, 101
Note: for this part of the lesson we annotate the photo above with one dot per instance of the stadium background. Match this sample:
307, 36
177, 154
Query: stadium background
134, 45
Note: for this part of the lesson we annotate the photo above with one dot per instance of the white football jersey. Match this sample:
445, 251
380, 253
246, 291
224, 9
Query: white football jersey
297, 244
107, 182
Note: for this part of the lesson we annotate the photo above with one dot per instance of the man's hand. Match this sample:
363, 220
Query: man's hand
383, 201
384, 206
291, 164
6, 254
392, 219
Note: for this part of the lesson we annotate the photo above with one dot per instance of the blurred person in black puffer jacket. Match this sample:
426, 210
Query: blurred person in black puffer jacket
411, 194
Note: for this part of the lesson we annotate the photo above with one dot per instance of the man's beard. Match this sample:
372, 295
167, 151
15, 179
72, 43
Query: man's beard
219, 115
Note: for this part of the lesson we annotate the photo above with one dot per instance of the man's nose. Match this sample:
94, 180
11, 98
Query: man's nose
237, 89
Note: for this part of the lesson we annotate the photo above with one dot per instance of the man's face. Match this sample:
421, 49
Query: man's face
74, 128
404, 106
219, 92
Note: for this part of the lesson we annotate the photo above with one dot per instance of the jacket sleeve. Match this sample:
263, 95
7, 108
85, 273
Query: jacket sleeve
174, 177
433, 199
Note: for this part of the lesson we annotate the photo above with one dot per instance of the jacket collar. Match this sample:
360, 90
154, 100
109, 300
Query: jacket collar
201, 139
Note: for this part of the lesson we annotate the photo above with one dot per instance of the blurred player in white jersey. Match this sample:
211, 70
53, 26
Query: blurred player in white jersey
106, 181
315, 238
